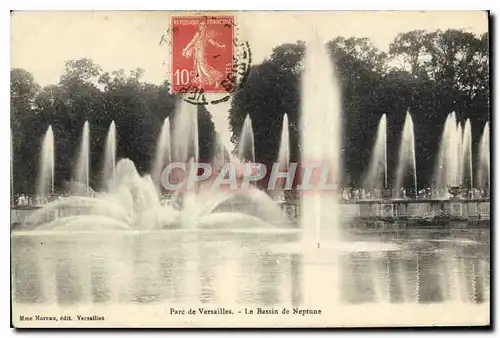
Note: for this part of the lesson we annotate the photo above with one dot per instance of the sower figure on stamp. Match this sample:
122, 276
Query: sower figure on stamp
204, 73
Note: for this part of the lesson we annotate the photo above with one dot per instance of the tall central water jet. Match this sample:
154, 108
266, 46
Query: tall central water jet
82, 174
483, 175
45, 185
377, 171
109, 167
321, 121
246, 149
407, 158
162, 154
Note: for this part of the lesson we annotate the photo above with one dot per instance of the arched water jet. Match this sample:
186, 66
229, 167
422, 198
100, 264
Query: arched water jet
162, 153
109, 161
246, 149
45, 185
407, 156
376, 176
85, 223
134, 203
66, 207
82, 174
253, 201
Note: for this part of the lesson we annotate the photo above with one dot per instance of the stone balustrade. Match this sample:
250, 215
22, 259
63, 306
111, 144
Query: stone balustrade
459, 209
395, 209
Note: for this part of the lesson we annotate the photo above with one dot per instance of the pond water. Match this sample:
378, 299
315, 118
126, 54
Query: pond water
263, 268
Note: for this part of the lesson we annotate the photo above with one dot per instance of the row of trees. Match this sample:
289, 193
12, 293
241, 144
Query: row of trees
429, 73
86, 93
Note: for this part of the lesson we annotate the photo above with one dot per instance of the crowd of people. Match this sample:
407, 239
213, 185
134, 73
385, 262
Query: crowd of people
426, 193
346, 194
33, 200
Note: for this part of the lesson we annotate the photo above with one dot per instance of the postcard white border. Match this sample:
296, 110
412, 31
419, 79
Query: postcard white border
170, 5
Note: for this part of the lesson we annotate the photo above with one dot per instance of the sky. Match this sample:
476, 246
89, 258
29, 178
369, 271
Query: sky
42, 41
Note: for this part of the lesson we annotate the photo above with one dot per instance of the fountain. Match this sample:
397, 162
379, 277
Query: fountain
82, 175
450, 163
45, 185
246, 149
460, 139
283, 158
220, 154
284, 149
322, 243
134, 203
467, 156
162, 154
207, 207
406, 156
376, 178
193, 243
483, 173
185, 134
109, 166
321, 121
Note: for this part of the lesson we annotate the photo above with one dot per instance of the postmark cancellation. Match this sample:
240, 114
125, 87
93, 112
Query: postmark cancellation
208, 58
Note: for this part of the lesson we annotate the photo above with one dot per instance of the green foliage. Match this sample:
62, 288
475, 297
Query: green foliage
271, 90
86, 93
429, 73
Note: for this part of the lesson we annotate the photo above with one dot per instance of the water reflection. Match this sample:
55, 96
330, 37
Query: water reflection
26, 276
145, 283
395, 278
69, 284
359, 280
99, 281
169, 281
241, 269
295, 272
207, 272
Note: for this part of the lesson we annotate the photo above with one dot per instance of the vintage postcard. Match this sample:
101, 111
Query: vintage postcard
250, 169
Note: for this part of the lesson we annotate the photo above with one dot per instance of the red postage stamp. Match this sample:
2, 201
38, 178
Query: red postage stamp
202, 53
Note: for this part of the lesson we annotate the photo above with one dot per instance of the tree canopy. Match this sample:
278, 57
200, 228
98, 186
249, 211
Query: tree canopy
429, 73
86, 93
